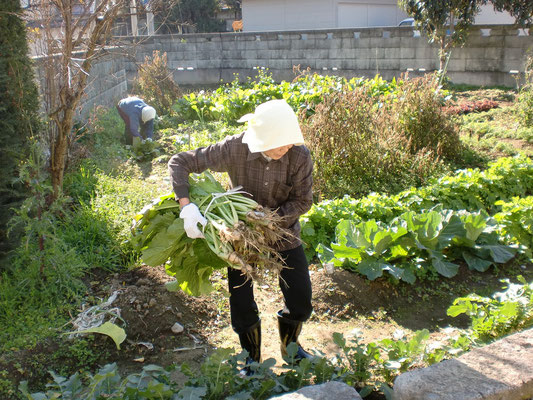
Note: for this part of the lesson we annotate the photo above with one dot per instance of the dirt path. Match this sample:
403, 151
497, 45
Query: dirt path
342, 301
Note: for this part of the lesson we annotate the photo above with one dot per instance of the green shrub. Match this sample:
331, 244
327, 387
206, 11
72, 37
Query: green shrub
155, 83
19, 107
363, 143
525, 96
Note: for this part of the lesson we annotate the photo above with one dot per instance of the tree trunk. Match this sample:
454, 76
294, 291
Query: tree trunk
442, 53
66, 77
59, 159
61, 144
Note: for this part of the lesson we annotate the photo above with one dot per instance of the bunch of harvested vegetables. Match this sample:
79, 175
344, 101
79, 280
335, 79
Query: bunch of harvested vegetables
239, 233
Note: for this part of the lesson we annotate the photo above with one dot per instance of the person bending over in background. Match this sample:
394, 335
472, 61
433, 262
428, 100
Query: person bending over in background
271, 163
138, 117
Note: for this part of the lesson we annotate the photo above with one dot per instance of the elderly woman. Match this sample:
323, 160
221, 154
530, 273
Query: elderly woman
138, 117
271, 163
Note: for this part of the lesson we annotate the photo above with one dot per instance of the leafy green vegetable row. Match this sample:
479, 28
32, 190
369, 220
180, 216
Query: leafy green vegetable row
230, 102
471, 190
415, 244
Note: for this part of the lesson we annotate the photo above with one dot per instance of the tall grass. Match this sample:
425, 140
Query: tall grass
362, 144
525, 96
61, 243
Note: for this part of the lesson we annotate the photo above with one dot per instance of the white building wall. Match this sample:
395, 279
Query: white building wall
361, 13
261, 15
273, 15
489, 16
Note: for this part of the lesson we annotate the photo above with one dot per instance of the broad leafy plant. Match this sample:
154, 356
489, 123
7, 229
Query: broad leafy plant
502, 313
470, 190
417, 243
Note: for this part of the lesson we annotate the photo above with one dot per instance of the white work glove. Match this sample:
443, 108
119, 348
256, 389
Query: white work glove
191, 218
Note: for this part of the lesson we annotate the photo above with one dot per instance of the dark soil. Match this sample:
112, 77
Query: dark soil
343, 301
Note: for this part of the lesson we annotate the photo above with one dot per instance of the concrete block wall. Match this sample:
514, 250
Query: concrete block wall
488, 58
107, 84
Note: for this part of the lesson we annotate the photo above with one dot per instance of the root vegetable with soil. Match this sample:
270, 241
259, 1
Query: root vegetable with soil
239, 233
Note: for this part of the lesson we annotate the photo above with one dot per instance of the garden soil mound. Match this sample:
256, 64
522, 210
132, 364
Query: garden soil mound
342, 301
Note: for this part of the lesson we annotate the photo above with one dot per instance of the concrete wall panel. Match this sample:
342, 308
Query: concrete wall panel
486, 59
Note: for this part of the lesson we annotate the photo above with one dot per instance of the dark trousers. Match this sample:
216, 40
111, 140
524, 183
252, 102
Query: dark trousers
295, 285
128, 137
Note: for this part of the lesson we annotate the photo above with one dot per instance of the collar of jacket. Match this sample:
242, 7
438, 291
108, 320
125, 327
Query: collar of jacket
283, 160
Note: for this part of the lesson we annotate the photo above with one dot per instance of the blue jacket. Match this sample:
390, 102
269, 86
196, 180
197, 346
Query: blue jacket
132, 108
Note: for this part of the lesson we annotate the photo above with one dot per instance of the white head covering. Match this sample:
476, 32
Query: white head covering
148, 113
273, 124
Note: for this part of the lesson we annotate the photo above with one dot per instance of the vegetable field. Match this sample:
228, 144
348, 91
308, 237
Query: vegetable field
419, 241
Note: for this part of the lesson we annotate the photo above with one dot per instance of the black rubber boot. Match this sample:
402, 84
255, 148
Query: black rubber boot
289, 330
251, 342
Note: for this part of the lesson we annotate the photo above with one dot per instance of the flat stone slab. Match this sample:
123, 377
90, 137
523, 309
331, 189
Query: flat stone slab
328, 390
502, 370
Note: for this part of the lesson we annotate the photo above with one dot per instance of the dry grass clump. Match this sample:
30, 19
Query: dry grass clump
362, 144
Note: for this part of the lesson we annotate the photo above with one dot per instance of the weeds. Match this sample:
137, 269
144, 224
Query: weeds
155, 83
362, 144
44, 277
525, 95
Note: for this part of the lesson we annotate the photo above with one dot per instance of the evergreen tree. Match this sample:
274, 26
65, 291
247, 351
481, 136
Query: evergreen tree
19, 106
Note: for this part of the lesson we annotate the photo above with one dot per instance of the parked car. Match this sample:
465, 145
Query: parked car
407, 22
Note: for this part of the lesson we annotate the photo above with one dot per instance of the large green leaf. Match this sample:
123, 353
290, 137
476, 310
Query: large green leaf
459, 308
445, 268
366, 231
381, 241
372, 268
326, 255
510, 309
500, 253
340, 251
398, 251
452, 227
474, 224
110, 329
193, 278
396, 272
479, 264
164, 244
424, 228
356, 236
157, 224
408, 276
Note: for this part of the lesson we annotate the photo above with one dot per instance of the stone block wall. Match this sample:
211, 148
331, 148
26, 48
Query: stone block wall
107, 82
493, 55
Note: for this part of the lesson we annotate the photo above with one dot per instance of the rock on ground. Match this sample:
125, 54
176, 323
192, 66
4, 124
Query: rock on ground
328, 390
502, 370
